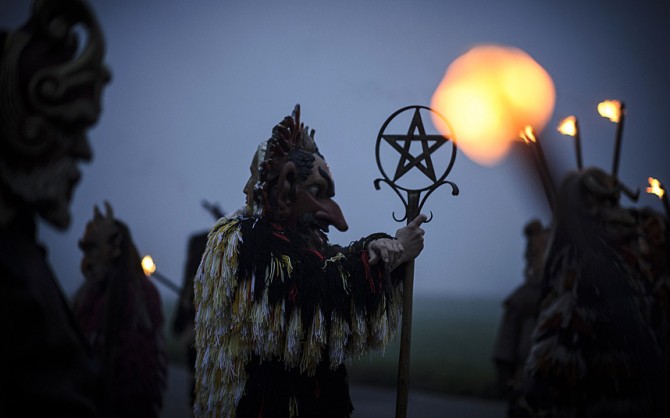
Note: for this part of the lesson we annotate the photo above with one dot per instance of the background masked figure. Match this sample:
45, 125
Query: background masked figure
520, 312
594, 351
279, 309
120, 314
184, 314
50, 89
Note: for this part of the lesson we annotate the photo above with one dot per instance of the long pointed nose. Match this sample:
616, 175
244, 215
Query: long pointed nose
333, 214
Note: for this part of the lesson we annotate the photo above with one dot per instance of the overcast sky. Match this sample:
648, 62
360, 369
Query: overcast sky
197, 85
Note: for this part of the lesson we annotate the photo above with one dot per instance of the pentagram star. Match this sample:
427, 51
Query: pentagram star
407, 160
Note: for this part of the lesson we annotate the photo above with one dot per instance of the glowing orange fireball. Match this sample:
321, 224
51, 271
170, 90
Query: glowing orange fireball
489, 95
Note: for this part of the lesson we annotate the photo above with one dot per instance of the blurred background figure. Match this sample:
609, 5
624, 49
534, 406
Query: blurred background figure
120, 313
520, 312
653, 252
184, 316
51, 81
594, 351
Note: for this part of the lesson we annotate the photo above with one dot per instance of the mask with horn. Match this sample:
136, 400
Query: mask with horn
588, 209
296, 187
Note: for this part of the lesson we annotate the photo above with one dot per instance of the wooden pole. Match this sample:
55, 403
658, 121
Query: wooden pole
406, 325
578, 146
617, 140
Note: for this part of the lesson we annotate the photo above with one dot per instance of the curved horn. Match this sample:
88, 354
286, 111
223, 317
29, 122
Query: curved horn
96, 213
597, 188
109, 213
632, 195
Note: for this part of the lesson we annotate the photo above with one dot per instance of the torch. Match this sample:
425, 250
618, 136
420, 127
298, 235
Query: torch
570, 127
614, 110
413, 204
655, 187
532, 140
149, 268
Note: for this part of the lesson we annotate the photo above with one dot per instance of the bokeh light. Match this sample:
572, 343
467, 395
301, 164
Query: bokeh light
490, 94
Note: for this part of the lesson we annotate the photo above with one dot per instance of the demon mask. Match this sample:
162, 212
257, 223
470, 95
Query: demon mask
51, 78
295, 186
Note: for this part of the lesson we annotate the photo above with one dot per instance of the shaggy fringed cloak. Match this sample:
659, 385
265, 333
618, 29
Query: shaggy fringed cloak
594, 352
275, 321
122, 319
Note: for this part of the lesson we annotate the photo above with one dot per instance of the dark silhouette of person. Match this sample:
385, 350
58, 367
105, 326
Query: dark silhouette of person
594, 351
184, 316
521, 309
50, 88
182, 325
121, 316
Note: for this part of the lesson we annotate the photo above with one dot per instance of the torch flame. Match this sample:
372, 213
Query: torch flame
148, 265
610, 109
655, 187
568, 126
528, 134
489, 94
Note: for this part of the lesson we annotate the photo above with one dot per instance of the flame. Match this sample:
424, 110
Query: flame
655, 187
610, 109
568, 126
488, 95
148, 265
528, 134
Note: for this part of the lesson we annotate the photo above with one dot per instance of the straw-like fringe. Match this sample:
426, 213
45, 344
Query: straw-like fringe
235, 320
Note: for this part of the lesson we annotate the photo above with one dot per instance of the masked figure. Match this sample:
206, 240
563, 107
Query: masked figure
278, 308
594, 352
50, 87
121, 315
521, 309
654, 254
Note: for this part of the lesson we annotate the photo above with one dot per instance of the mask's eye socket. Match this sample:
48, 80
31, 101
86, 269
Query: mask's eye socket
315, 191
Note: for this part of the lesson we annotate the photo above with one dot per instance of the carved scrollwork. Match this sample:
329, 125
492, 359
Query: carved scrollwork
51, 77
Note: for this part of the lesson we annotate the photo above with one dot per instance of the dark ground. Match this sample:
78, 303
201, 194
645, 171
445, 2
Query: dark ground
369, 401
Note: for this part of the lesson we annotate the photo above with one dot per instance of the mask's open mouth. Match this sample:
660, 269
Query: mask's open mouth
314, 231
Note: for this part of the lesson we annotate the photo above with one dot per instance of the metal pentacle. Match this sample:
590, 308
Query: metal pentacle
417, 157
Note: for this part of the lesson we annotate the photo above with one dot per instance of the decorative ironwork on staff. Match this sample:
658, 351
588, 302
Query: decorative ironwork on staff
413, 204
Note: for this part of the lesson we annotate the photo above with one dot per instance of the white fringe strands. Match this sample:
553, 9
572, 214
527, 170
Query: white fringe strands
233, 323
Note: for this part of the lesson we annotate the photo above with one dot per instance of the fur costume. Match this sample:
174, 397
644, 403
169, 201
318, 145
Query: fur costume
120, 313
288, 316
594, 351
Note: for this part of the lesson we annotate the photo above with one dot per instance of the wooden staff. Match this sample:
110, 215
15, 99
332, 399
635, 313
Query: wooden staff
413, 206
402, 394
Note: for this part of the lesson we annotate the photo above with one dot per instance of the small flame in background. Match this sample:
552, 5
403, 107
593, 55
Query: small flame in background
568, 126
488, 95
610, 109
528, 134
148, 265
655, 187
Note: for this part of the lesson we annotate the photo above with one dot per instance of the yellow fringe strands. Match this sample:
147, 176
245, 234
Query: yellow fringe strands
245, 312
